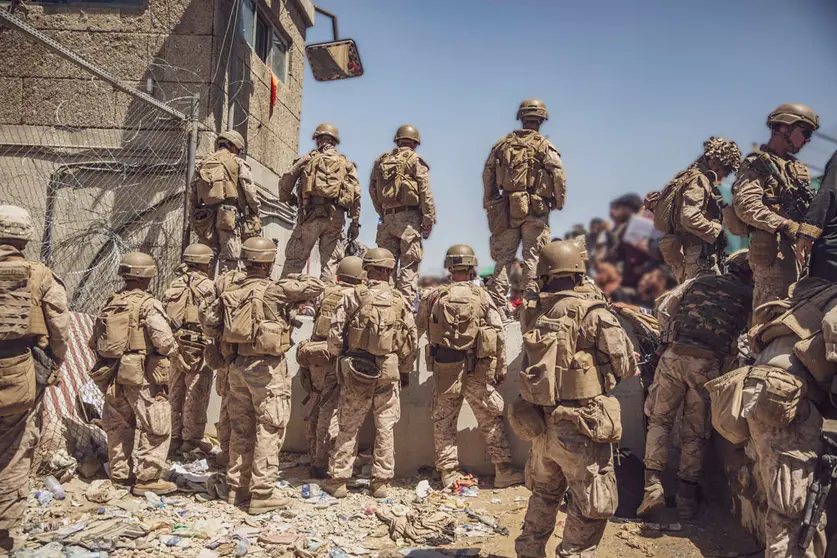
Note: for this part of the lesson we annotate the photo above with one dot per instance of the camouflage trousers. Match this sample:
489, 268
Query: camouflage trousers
679, 380
694, 263
772, 282
322, 425
260, 398
19, 436
223, 427
400, 233
786, 464
137, 421
562, 458
327, 232
384, 400
226, 245
533, 234
189, 396
487, 405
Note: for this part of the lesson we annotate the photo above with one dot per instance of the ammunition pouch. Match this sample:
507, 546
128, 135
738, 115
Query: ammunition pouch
774, 395
227, 217
131, 369
599, 418
764, 248
726, 394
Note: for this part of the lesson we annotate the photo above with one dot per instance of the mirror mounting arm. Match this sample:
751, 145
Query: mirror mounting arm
330, 16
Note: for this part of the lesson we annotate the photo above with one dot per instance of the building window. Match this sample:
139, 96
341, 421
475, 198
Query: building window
265, 40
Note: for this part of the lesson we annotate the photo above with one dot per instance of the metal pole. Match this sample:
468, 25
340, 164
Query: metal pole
190, 169
333, 20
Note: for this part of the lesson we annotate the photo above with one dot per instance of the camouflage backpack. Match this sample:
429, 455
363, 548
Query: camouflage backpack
217, 179
325, 177
399, 187
519, 162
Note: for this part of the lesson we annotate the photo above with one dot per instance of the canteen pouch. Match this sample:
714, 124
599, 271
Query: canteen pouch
764, 247
131, 370
600, 420
780, 397
227, 217
725, 394
272, 338
486, 342
158, 368
17, 384
518, 205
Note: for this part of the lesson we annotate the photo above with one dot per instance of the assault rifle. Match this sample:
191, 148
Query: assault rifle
818, 492
795, 200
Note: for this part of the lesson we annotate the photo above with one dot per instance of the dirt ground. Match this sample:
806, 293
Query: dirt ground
188, 525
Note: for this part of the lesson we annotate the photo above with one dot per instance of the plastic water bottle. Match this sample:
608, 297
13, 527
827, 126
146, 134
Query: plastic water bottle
44, 497
306, 490
55, 487
242, 546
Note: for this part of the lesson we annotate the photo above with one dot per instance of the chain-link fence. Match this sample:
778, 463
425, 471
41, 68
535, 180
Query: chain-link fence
102, 168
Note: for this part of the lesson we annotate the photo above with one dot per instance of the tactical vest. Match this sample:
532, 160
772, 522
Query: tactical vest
182, 298
399, 187
376, 327
794, 173
456, 314
332, 299
254, 326
519, 165
120, 328
325, 177
557, 365
712, 313
217, 179
668, 208
21, 310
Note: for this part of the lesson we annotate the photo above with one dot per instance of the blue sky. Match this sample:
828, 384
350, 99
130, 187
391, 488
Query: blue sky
633, 89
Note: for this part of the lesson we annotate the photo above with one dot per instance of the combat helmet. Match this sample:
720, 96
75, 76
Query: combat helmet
794, 113
197, 254
15, 223
232, 137
350, 267
379, 257
460, 256
258, 249
532, 107
739, 262
724, 151
407, 132
581, 243
137, 265
561, 258
326, 129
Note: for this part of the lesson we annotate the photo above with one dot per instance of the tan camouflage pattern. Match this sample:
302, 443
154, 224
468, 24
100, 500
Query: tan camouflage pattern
693, 215
679, 380
400, 233
787, 462
19, 436
421, 173
322, 424
694, 263
487, 405
353, 406
773, 282
189, 388
327, 232
533, 234
563, 459
260, 397
724, 151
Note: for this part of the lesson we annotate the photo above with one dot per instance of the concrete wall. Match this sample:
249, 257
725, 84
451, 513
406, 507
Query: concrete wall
414, 432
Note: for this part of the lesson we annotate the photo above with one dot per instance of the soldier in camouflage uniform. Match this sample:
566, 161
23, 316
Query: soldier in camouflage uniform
766, 198
137, 413
523, 181
564, 382
694, 234
467, 358
373, 335
400, 191
33, 307
317, 366
328, 190
701, 325
259, 384
191, 377
225, 203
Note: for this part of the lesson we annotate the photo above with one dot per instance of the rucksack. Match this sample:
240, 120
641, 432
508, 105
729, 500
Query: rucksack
217, 179
549, 349
664, 212
332, 298
455, 316
325, 177
245, 319
519, 162
399, 187
376, 326
21, 314
118, 329
180, 301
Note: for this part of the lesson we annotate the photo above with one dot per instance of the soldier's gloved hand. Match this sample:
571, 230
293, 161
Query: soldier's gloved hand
405, 379
353, 231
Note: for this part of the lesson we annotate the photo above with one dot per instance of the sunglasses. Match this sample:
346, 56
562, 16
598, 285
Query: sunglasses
807, 133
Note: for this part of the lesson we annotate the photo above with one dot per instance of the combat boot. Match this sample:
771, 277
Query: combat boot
222, 460
189, 446
159, 487
379, 488
318, 472
687, 501
505, 476
450, 476
238, 497
654, 497
336, 487
275, 502
174, 448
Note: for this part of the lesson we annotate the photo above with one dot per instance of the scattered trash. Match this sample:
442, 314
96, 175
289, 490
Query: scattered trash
103, 491
337, 553
283, 484
65, 532
369, 509
423, 489
174, 540
488, 521
55, 487
242, 546
278, 538
496, 501
44, 497
359, 483
468, 491
311, 490
664, 527
154, 500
